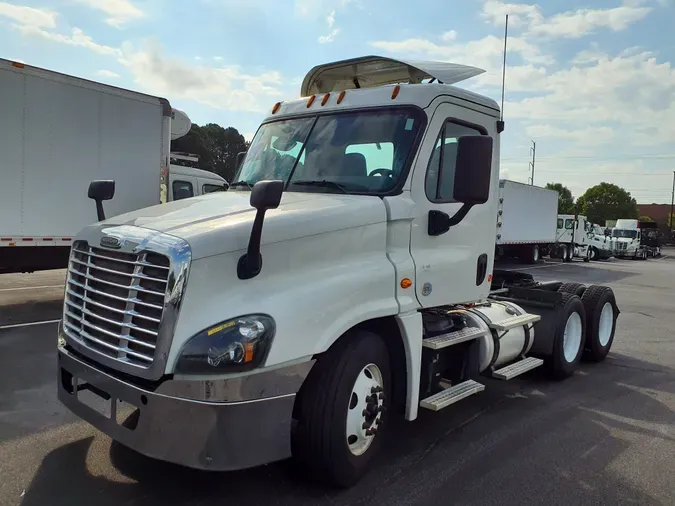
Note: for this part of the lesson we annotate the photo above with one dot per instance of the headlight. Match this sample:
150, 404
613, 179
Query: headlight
239, 344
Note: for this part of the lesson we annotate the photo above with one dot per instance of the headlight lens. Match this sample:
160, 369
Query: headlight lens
239, 344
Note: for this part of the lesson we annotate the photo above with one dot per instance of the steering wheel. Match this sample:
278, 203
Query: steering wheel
382, 172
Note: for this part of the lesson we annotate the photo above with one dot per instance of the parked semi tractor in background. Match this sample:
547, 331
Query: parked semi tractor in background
58, 133
299, 315
582, 239
628, 235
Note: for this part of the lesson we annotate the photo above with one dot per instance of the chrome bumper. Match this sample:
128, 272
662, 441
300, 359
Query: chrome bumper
195, 433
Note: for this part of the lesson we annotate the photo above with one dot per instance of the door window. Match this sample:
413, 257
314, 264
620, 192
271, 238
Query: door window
569, 224
440, 179
182, 190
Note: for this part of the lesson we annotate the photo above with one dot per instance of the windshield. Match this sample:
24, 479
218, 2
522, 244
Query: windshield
353, 152
630, 234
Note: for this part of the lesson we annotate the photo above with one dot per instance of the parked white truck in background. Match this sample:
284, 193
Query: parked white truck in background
579, 238
58, 133
526, 219
370, 293
629, 239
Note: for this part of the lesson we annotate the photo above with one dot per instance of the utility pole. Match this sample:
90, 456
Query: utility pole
672, 201
533, 152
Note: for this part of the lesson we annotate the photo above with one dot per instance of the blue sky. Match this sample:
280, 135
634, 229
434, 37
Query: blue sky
592, 83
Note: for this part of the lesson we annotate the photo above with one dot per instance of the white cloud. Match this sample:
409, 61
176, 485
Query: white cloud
323, 39
330, 37
225, 87
576, 24
28, 16
77, 38
218, 58
486, 53
449, 36
119, 12
107, 74
571, 24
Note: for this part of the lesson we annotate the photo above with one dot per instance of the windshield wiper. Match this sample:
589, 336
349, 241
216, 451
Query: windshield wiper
240, 183
321, 183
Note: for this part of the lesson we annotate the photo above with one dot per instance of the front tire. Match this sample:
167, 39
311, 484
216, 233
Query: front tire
570, 334
601, 314
350, 383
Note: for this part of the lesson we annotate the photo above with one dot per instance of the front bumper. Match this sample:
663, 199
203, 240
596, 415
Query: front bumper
204, 435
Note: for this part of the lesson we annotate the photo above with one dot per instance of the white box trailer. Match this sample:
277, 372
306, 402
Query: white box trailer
526, 220
57, 134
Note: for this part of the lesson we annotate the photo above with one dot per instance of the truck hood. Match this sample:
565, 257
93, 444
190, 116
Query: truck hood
221, 222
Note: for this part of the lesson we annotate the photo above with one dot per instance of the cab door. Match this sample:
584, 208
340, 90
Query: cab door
454, 266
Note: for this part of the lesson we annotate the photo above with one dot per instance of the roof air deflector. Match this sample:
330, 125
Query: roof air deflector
373, 71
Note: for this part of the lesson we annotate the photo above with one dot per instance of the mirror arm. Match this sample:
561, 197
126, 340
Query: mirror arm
439, 222
459, 215
99, 210
250, 263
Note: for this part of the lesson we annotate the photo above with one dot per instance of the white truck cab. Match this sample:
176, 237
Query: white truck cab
186, 181
628, 239
345, 278
578, 237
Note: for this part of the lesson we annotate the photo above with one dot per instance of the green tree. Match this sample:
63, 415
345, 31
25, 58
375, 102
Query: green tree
607, 201
565, 198
645, 218
216, 146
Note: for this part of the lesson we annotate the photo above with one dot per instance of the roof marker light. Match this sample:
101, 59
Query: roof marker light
325, 99
341, 96
276, 107
394, 93
310, 101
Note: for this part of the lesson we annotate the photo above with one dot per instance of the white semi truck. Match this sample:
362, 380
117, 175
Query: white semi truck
344, 279
58, 133
578, 237
628, 236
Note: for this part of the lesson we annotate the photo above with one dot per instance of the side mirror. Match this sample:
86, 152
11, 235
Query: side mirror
473, 169
240, 158
99, 191
264, 195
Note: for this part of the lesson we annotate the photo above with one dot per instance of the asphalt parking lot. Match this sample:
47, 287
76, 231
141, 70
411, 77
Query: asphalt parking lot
604, 436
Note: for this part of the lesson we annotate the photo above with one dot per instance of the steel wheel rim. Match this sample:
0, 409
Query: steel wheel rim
605, 324
536, 253
364, 410
572, 337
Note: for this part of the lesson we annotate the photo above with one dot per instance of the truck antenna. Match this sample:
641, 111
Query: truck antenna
506, 34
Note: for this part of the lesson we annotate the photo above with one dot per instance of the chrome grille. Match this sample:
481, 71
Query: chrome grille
114, 301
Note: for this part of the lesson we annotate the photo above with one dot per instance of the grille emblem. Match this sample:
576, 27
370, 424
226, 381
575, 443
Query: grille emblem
111, 242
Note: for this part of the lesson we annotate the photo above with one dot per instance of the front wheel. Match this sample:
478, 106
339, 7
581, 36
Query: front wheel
342, 410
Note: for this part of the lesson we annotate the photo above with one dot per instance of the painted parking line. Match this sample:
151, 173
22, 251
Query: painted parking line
29, 288
29, 324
